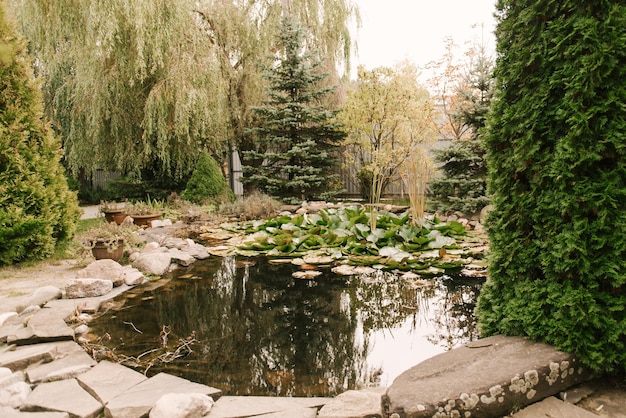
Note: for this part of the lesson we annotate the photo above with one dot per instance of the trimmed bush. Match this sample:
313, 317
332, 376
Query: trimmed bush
206, 181
556, 152
37, 209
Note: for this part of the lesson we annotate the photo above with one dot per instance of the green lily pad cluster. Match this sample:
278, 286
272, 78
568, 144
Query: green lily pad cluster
345, 233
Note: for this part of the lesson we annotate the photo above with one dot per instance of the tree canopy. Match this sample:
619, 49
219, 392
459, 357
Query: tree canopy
298, 141
386, 115
148, 85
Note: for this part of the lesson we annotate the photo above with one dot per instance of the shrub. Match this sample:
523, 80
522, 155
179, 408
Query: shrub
255, 206
557, 174
206, 181
38, 212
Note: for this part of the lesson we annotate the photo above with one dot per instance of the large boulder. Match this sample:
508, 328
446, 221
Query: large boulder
103, 269
153, 263
87, 288
486, 378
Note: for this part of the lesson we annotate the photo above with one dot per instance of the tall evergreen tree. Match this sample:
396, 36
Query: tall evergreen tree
462, 185
37, 210
556, 148
298, 137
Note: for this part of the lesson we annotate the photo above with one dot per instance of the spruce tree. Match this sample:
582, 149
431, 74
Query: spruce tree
298, 137
462, 185
37, 210
556, 152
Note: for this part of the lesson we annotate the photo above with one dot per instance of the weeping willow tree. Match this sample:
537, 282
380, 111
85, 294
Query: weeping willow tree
149, 84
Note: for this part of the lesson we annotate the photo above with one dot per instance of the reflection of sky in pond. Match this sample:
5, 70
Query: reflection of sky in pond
259, 331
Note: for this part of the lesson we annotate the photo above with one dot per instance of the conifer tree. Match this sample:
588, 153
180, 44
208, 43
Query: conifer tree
37, 210
297, 137
556, 152
462, 185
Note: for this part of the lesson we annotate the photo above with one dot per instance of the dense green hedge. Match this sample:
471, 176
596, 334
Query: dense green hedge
556, 150
37, 210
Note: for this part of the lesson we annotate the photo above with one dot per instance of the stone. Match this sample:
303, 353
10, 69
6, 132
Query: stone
156, 264
553, 408
6, 316
355, 404
8, 377
63, 396
21, 357
182, 405
300, 412
46, 325
39, 297
158, 223
68, 367
87, 287
107, 380
85, 305
181, 258
14, 395
132, 276
103, 269
139, 400
18, 414
198, 251
249, 406
81, 329
486, 378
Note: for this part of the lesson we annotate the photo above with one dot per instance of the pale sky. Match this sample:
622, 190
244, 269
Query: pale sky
395, 30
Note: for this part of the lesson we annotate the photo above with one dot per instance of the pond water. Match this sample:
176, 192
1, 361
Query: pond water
248, 327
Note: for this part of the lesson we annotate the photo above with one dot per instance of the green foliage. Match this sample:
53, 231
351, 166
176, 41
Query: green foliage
462, 185
144, 86
557, 161
299, 139
387, 114
38, 212
394, 243
206, 181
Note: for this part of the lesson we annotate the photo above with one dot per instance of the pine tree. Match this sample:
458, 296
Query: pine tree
556, 151
298, 138
37, 210
462, 185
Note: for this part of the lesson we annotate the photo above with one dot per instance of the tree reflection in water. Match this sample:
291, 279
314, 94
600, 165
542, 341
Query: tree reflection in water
261, 332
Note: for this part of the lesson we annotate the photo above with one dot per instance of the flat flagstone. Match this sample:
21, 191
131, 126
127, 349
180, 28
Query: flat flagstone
553, 408
138, 400
38, 415
55, 329
292, 413
70, 366
249, 406
355, 404
87, 305
21, 357
63, 396
108, 380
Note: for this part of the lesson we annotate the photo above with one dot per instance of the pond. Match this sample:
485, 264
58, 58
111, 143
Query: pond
248, 327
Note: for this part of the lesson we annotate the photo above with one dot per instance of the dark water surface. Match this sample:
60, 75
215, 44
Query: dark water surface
255, 330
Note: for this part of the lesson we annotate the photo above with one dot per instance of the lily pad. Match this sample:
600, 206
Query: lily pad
306, 274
